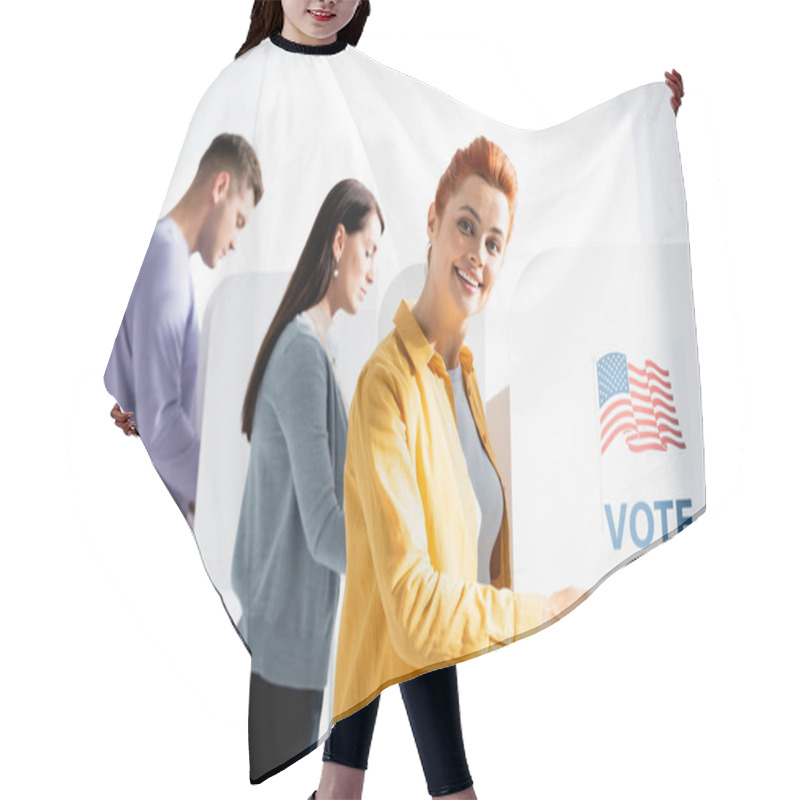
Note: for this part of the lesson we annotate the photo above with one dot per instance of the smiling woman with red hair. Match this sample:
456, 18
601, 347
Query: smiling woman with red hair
418, 462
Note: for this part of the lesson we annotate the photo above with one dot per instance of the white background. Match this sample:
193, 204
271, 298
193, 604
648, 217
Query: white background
122, 676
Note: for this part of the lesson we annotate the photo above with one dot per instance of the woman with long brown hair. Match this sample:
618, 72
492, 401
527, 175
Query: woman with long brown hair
290, 543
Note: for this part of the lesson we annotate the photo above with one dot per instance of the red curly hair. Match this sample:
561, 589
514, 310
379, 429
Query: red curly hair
489, 161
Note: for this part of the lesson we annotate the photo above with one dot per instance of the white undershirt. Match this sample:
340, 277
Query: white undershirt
482, 474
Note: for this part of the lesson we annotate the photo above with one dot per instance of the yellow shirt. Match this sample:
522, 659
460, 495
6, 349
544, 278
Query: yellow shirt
412, 602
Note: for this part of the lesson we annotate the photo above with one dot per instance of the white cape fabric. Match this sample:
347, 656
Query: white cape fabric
586, 355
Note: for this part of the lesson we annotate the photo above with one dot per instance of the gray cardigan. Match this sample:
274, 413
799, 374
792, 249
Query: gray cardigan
290, 543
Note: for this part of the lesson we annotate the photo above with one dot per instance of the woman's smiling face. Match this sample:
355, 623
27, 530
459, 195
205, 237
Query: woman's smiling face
468, 246
316, 21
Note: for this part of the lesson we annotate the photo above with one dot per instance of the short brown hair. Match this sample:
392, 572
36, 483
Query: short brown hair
489, 161
232, 153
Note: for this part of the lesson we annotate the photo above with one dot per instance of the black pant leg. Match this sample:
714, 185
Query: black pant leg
432, 705
351, 738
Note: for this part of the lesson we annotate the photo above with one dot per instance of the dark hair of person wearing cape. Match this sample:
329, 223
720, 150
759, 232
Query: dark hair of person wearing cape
267, 18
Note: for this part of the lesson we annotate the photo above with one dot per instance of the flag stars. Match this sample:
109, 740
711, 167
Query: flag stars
612, 376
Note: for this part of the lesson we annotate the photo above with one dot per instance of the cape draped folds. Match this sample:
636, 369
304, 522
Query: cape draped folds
585, 356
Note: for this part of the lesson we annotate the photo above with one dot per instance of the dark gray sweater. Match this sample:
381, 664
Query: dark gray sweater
290, 544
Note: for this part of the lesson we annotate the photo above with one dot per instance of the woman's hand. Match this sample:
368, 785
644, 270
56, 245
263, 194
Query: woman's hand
560, 601
124, 420
675, 82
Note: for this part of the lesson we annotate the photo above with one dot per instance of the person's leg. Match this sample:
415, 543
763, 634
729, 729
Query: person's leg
433, 710
282, 726
346, 754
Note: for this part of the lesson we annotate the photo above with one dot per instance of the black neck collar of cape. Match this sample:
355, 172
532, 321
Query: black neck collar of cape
308, 49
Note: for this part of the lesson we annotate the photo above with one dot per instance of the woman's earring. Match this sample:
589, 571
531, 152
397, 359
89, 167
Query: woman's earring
336, 269
428, 255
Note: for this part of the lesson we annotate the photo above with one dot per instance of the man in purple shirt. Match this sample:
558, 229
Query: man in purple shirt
152, 371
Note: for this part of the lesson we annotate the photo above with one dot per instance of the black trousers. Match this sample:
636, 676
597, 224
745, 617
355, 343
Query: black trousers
282, 726
431, 702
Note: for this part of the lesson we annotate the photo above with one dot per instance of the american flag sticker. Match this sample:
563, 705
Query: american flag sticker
637, 404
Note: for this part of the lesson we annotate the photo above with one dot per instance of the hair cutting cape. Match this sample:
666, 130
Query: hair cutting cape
585, 356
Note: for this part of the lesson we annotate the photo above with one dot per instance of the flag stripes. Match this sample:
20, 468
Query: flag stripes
637, 404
